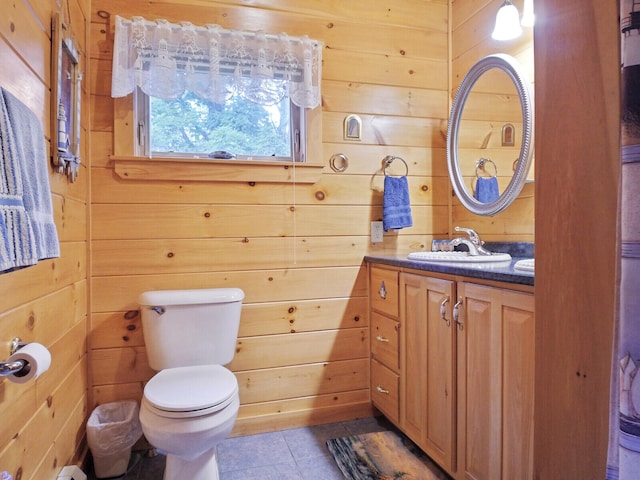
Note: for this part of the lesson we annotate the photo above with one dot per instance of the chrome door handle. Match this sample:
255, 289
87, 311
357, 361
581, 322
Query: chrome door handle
456, 313
443, 310
382, 390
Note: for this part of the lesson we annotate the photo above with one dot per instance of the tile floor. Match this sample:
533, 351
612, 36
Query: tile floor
296, 454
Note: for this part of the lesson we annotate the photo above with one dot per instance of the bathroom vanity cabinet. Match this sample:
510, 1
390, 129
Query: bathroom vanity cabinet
452, 363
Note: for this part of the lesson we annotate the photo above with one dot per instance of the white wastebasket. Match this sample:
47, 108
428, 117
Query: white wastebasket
112, 429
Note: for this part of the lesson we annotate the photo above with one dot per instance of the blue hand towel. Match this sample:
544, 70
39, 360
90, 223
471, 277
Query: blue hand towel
486, 189
396, 205
28, 229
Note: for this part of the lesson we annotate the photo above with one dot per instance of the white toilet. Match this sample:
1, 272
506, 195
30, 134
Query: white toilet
191, 404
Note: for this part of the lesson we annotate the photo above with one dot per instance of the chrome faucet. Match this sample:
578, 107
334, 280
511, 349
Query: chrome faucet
473, 243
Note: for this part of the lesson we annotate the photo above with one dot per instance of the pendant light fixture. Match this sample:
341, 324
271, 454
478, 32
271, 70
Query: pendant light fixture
507, 22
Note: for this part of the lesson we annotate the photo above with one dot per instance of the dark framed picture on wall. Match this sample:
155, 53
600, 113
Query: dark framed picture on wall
65, 100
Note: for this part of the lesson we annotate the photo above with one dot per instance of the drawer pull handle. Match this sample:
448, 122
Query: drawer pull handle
456, 314
382, 339
382, 390
382, 291
443, 310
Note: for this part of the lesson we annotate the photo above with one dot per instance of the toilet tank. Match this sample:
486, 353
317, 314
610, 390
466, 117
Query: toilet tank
190, 327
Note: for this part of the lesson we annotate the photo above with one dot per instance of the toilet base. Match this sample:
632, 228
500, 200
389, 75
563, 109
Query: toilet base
204, 467
183, 440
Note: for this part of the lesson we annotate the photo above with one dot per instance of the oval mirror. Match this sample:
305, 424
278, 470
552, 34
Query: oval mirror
490, 135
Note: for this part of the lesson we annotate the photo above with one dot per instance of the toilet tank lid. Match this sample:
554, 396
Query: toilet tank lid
191, 297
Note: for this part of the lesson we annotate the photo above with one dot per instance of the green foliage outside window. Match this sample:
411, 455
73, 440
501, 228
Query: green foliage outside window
193, 125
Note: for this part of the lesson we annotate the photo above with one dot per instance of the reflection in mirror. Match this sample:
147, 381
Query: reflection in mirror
490, 137
486, 188
508, 131
491, 105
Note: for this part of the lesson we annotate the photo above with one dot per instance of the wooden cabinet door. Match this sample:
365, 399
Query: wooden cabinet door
495, 354
427, 382
518, 356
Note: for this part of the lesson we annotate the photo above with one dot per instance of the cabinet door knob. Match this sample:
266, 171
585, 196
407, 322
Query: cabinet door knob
443, 310
382, 390
380, 338
456, 314
382, 291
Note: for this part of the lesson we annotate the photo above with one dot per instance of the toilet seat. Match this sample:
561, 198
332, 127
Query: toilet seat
192, 391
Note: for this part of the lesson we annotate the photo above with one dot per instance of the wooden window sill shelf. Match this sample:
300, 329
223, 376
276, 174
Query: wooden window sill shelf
213, 170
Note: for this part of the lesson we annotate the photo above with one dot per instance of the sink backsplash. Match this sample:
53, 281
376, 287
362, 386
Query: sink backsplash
515, 249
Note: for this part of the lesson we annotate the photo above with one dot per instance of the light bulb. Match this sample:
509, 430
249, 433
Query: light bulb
507, 22
528, 17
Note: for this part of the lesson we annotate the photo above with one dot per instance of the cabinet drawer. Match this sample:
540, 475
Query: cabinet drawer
385, 338
385, 386
384, 291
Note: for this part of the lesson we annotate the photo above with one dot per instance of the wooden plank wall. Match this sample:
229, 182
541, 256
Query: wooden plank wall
42, 422
471, 25
302, 355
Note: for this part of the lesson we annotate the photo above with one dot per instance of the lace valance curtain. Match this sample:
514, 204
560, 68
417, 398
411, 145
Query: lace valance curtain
165, 59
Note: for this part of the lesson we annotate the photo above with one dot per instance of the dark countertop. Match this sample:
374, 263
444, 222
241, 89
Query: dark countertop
498, 271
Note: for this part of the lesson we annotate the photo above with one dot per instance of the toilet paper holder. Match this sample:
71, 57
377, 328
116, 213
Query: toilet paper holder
14, 368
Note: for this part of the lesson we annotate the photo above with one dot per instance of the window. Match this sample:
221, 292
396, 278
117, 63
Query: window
191, 126
204, 91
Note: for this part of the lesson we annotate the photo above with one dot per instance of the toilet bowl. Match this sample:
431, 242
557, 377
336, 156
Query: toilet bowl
192, 403
185, 413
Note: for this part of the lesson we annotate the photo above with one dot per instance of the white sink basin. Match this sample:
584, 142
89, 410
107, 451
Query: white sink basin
463, 257
528, 265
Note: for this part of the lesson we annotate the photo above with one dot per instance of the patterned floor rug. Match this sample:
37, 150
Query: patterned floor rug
383, 456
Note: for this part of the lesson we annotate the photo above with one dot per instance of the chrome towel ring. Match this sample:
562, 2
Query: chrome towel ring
388, 160
481, 166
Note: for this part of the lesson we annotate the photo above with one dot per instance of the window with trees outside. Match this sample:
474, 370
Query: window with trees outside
238, 128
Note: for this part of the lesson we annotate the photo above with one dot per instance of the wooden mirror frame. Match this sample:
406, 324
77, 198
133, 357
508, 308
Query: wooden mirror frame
522, 165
